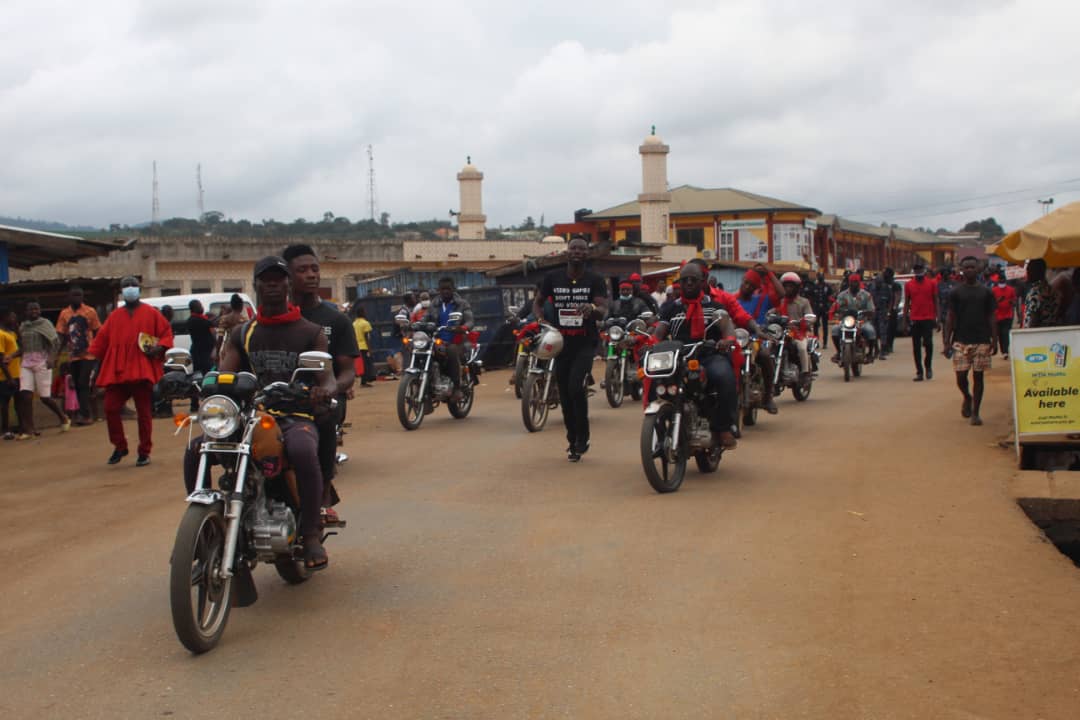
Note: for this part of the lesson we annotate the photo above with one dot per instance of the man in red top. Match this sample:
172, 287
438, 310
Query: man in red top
1005, 296
130, 346
921, 313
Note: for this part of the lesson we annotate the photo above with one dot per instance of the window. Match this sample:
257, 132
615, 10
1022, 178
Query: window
169, 291
691, 236
727, 246
202, 288
633, 236
232, 286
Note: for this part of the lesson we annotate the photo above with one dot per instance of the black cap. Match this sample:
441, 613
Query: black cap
271, 262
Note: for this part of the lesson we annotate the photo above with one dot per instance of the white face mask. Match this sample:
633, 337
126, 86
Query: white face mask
425, 303
130, 293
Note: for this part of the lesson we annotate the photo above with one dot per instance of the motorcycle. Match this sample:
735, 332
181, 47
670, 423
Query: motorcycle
621, 340
424, 385
524, 339
854, 351
676, 422
752, 379
252, 516
788, 365
540, 393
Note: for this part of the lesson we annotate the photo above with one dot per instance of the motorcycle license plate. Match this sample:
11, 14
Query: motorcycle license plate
570, 318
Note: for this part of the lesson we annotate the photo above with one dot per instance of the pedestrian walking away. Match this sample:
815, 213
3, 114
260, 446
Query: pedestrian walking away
579, 298
130, 347
362, 329
921, 313
1005, 297
971, 336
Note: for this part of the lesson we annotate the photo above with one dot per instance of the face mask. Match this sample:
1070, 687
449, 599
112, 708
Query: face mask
130, 293
624, 296
425, 303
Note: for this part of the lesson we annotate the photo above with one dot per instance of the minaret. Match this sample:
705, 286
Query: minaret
471, 221
654, 200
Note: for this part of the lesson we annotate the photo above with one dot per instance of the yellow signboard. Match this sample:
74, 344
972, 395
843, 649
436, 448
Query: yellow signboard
1046, 381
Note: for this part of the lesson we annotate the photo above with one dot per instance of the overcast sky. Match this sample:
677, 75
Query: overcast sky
921, 113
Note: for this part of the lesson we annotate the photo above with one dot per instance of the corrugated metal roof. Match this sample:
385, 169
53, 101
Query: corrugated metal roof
690, 200
903, 234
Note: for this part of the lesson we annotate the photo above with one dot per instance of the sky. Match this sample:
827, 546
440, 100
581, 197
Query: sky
922, 113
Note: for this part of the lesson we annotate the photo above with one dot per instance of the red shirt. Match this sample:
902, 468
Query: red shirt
921, 297
117, 345
1006, 301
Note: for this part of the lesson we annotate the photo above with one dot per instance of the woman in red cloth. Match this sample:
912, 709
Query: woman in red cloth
131, 345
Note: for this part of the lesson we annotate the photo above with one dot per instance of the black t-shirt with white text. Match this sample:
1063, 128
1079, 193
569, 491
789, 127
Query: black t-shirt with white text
974, 307
566, 294
339, 332
273, 351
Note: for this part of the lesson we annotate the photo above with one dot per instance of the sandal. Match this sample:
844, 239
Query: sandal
9, 436
315, 558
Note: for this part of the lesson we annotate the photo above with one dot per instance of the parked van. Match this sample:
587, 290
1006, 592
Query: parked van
213, 305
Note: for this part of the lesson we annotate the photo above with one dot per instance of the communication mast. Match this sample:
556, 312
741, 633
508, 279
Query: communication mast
198, 183
371, 182
155, 204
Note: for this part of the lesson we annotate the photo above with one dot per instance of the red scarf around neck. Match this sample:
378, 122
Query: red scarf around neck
695, 315
290, 315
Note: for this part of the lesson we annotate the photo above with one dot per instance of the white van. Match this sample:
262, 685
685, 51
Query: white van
213, 305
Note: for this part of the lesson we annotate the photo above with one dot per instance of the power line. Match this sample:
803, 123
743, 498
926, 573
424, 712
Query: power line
1041, 188
980, 207
155, 204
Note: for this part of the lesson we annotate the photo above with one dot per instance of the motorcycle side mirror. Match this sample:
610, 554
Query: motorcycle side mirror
513, 310
720, 314
810, 318
314, 360
402, 320
455, 317
636, 325
609, 322
647, 316
178, 359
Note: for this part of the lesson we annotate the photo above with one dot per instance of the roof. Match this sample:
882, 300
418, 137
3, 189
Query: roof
27, 248
917, 237
690, 200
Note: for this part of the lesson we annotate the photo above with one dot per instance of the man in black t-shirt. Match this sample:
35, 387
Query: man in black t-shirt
971, 335
578, 298
305, 279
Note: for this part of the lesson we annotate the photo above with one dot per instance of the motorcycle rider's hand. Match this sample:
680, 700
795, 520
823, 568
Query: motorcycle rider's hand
458, 329
753, 327
586, 309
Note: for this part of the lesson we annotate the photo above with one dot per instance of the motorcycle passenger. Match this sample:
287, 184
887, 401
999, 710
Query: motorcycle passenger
453, 338
852, 301
685, 320
627, 306
305, 278
642, 293
796, 306
269, 346
578, 298
758, 294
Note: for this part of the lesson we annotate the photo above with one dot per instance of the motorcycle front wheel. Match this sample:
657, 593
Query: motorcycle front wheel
613, 384
410, 406
200, 598
521, 369
664, 471
847, 360
534, 406
461, 409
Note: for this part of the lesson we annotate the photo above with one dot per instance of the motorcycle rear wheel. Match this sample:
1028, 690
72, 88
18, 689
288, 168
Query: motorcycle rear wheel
292, 570
664, 473
801, 391
708, 460
534, 407
461, 409
410, 406
199, 598
856, 370
613, 384
636, 390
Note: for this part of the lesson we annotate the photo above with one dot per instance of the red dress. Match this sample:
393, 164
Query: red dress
117, 346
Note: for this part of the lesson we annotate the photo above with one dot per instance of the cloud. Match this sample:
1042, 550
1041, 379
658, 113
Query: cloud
846, 106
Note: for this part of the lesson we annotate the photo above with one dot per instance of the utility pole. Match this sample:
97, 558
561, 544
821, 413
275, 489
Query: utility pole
155, 204
371, 182
198, 184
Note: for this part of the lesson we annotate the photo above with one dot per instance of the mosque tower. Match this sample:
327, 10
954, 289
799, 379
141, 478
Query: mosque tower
471, 221
654, 200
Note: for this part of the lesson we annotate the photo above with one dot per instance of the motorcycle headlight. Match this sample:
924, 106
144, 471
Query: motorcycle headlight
660, 362
849, 321
616, 333
219, 417
742, 337
420, 340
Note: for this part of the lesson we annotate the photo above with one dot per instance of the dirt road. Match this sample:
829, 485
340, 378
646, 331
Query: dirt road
856, 557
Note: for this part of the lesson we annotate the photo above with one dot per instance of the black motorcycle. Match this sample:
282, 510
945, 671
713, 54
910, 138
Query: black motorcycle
424, 384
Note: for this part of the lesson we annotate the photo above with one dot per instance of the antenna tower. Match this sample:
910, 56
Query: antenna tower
198, 183
155, 204
371, 182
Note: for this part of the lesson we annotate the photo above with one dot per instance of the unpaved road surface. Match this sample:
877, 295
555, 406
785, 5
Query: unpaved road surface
856, 557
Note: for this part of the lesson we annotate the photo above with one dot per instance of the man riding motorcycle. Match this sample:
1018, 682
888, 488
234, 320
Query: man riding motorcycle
853, 301
641, 293
627, 306
453, 338
690, 326
795, 306
269, 346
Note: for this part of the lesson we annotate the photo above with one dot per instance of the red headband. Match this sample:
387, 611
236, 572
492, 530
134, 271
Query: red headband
752, 277
855, 276
626, 285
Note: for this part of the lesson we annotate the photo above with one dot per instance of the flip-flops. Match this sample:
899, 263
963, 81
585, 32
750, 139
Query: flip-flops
315, 558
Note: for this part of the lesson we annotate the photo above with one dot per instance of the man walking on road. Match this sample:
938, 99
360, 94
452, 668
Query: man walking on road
77, 325
921, 313
579, 298
971, 335
1005, 297
131, 345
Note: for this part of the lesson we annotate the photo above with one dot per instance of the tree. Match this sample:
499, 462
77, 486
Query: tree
328, 217
384, 219
529, 223
987, 229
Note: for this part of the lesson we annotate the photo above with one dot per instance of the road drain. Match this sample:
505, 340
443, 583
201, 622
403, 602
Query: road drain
1059, 519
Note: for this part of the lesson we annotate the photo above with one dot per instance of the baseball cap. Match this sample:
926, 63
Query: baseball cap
271, 262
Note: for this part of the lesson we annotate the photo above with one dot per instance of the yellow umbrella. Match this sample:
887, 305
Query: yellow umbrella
1055, 238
